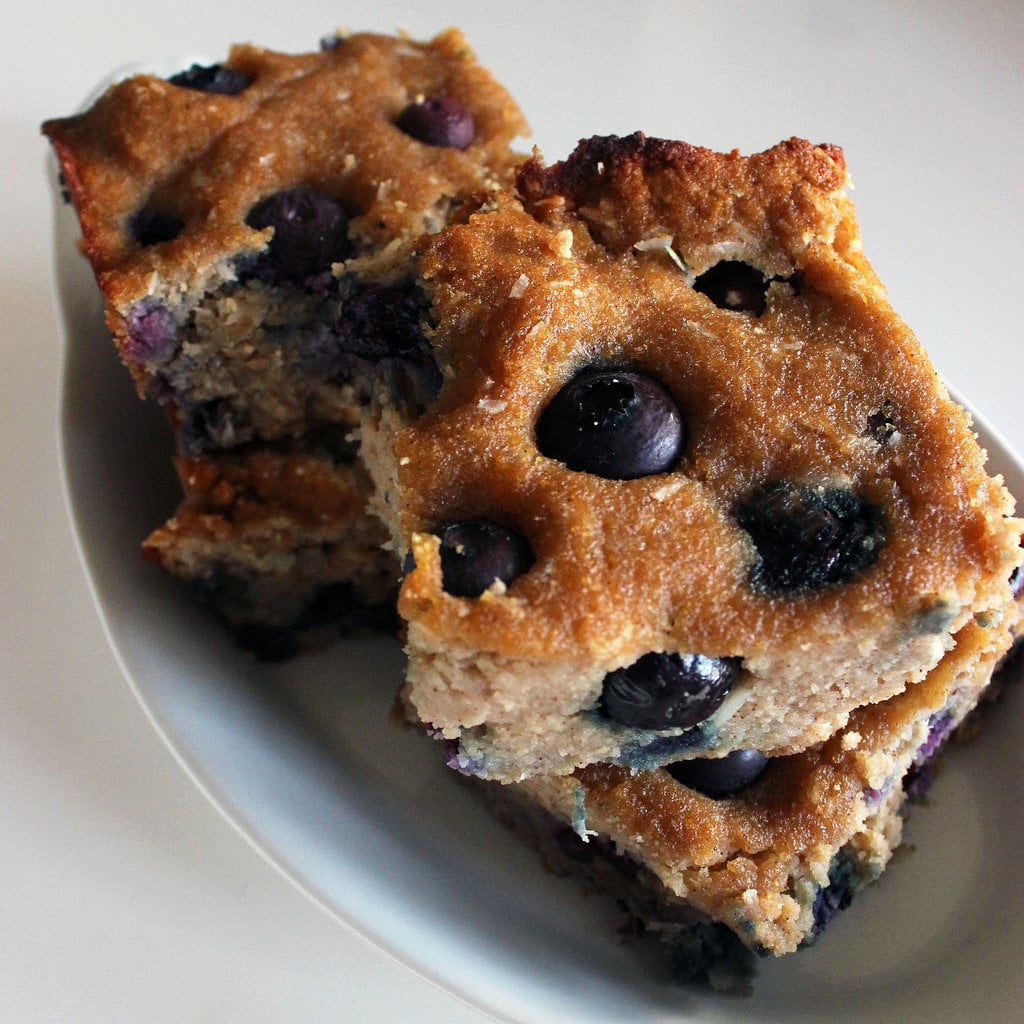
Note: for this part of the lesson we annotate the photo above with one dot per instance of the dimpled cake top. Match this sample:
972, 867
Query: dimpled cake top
823, 511
164, 173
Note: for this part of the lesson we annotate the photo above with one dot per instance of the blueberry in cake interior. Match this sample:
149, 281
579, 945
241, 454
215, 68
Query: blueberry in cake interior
719, 497
250, 225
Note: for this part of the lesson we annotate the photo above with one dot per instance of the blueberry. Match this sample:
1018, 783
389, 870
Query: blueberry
735, 285
921, 773
809, 537
476, 552
835, 897
720, 776
214, 78
151, 335
152, 225
379, 321
438, 121
614, 423
310, 232
668, 691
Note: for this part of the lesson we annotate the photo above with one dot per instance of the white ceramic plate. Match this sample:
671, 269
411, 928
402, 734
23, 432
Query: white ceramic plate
361, 814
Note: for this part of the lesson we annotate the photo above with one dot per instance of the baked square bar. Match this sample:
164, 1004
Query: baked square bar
250, 225
690, 486
724, 867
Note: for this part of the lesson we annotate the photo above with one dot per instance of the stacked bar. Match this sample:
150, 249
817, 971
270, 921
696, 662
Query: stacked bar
696, 561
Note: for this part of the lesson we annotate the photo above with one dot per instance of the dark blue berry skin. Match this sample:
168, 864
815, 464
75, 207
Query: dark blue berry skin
476, 552
438, 121
152, 225
809, 537
720, 776
668, 691
613, 423
310, 233
214, 78
151, 335
835, 897
736, 286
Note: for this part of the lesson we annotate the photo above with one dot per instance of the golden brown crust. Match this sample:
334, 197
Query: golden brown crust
231, 357
631, 188
210, 158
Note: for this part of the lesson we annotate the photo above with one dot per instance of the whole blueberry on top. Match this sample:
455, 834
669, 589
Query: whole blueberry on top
809, 537
310, 232
720, 776
614, 423
438, 121
668, 691
477, 552
213, 78
734, 285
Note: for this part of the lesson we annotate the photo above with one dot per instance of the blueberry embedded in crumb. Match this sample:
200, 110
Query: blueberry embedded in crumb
213, 78
668, 691
835, 897
614, 423
920, 775
809, 537
152, 225
735, 286
477, 552
310, 233
150, 333
377, 322
718, 777
438, 121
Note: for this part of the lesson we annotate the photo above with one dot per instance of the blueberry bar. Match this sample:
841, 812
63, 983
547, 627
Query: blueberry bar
725, 861
689, 485
251, 226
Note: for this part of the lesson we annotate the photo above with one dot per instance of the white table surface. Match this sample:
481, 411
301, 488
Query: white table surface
125, 895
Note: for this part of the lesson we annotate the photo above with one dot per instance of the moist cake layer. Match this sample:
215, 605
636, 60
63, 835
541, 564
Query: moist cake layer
276, 539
